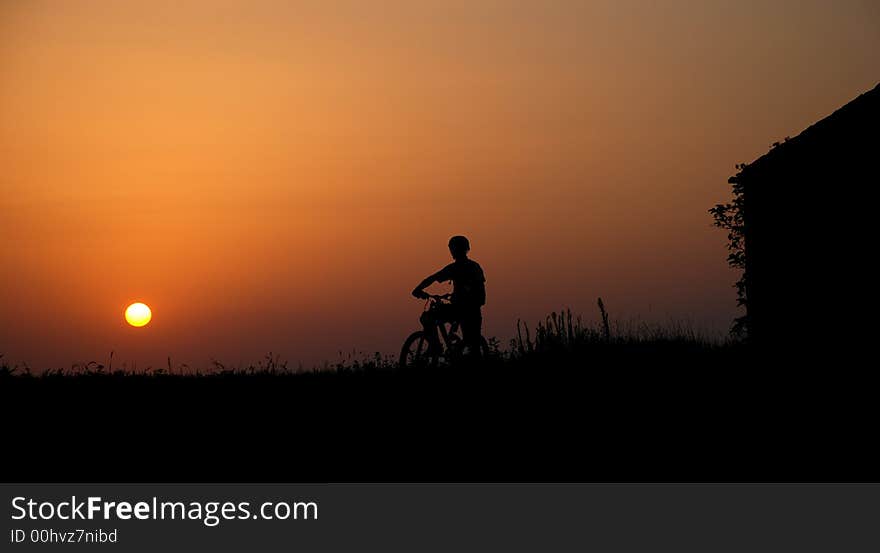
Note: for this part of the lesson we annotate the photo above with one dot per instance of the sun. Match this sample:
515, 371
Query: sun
138, 314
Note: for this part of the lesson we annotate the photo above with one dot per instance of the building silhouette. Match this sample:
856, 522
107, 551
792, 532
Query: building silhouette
809, 227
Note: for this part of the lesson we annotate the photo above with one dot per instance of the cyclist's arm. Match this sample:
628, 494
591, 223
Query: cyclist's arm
419, 291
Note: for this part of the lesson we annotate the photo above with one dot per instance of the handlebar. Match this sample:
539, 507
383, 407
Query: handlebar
435, 297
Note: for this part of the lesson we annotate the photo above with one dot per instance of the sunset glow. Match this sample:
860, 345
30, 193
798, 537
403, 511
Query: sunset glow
308, 161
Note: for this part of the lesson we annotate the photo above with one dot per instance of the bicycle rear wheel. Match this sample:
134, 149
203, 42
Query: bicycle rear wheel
456, 351
415, 351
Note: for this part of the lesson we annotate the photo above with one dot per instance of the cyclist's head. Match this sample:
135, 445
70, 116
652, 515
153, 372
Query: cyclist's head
459, 247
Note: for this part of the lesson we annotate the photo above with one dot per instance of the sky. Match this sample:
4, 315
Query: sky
278, 176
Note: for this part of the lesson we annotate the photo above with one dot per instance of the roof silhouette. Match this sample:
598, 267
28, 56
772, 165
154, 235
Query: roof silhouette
854, 119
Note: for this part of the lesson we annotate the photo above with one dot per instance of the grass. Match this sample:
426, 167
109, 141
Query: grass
566, 399
560, 338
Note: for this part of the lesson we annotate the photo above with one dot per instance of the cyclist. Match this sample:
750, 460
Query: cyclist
468, 296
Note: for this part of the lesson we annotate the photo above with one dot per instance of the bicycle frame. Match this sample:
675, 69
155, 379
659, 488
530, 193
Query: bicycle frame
446, 331
445, 334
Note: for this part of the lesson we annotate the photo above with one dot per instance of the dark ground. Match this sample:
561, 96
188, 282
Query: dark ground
659, 412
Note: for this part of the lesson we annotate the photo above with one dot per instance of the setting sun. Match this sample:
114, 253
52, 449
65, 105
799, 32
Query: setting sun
138, 314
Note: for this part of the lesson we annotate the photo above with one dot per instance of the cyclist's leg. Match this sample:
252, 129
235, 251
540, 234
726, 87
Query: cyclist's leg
429, 324
443, 314
471, 321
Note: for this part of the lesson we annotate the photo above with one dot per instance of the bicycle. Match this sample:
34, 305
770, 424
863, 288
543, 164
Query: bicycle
415, 351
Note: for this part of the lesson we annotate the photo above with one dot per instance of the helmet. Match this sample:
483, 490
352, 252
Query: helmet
459, 245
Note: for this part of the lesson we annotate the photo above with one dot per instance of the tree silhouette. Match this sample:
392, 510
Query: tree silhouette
730, 217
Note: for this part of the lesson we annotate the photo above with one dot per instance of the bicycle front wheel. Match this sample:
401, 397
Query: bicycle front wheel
415, 351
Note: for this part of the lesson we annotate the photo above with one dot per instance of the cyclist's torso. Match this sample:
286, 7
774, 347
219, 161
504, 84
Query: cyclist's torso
468, 283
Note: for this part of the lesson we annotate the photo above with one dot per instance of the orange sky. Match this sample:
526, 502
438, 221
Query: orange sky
272, 175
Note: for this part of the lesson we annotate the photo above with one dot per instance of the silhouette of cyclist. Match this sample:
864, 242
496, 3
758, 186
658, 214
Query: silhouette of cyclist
468, 296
